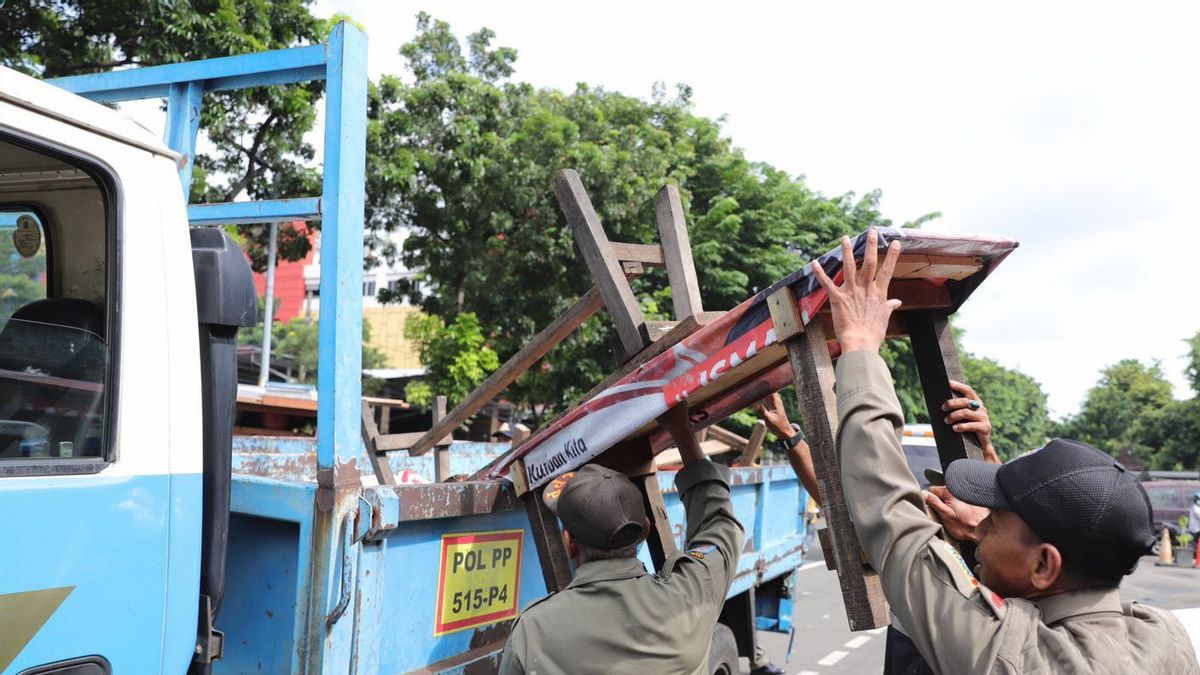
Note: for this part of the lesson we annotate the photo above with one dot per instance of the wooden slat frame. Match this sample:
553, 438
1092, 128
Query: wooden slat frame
370, 436
602, 262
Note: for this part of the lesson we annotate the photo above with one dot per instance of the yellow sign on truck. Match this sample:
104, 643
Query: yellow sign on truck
479, 578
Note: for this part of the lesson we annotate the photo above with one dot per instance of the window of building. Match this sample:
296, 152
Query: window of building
368, 289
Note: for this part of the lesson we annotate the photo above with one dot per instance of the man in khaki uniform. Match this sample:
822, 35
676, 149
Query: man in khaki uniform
1066, 524
614, 617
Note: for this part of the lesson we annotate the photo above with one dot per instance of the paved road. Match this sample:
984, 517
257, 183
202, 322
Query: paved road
825, 646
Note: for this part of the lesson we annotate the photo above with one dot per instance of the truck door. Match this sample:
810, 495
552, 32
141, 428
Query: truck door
99, 397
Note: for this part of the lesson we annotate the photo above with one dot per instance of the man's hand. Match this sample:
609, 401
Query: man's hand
676, 422
964, 418
860, 306
958, 517
771, 410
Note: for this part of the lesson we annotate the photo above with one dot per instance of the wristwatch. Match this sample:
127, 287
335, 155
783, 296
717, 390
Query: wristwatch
793, 440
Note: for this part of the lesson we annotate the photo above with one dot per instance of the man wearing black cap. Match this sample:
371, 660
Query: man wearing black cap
614, 617
1066, 524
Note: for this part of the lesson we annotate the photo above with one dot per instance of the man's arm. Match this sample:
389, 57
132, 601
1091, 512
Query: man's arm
714, 535
770, 409
936, 598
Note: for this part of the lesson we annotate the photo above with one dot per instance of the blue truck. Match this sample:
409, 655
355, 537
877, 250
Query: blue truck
137, 534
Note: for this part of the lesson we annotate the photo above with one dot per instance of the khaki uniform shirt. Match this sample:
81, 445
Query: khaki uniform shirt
958, 625
617, 618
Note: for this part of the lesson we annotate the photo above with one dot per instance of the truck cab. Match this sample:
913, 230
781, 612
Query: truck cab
100, 391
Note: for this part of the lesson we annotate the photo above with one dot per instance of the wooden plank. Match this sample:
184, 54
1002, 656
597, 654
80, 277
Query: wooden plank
812, 373
660, 329
913, 266
587, 305
518, 477
937, 363
370, 436
552, 553
390, 442
670, 457
754, 446
677, 252
393, 402
647, 254
602, 262
441, 451
785, 314
728, 437
661, 539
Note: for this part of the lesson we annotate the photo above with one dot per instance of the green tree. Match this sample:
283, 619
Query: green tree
461, 156
1126, 391
257, 135
1192, 369
457, 356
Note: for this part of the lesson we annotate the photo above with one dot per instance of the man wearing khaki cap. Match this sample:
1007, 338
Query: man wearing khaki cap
1061, 528
615, 617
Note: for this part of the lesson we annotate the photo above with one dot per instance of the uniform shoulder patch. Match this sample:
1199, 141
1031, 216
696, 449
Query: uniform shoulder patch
965, 582
699, 552
960, 566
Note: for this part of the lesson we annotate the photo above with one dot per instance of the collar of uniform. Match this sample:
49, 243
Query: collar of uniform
1075, 603
607, 570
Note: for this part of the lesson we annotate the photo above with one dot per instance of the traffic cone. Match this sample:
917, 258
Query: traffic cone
1166, 554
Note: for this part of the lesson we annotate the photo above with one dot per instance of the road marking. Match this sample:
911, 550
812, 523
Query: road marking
832, 658
877, 631
808, 672
809, 566
858, 642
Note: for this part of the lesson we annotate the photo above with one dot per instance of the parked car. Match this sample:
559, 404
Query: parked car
1170, 499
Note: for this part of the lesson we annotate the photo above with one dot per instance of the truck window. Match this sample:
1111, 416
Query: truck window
55, 364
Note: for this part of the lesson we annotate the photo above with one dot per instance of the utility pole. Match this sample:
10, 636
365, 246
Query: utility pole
269, 312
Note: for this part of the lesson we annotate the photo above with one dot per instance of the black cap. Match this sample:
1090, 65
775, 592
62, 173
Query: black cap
598, 506
1073, 496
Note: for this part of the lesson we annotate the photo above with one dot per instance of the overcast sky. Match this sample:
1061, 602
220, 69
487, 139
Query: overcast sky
1069, 127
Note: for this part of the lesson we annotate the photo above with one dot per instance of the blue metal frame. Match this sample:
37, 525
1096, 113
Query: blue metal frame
342, 63
322, 644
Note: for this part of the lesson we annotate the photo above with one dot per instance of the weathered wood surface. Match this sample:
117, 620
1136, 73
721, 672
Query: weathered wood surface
547, 537
646, 254
813, 378
370, 437
677, 252
937, 363
602, 262
754, 446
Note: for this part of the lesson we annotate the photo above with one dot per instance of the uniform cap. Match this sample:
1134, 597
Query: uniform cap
599, 507
1073, 496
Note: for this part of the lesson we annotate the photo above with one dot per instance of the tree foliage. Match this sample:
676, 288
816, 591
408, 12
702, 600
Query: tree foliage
461, 156
456, 355
258, 134
1126, 391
